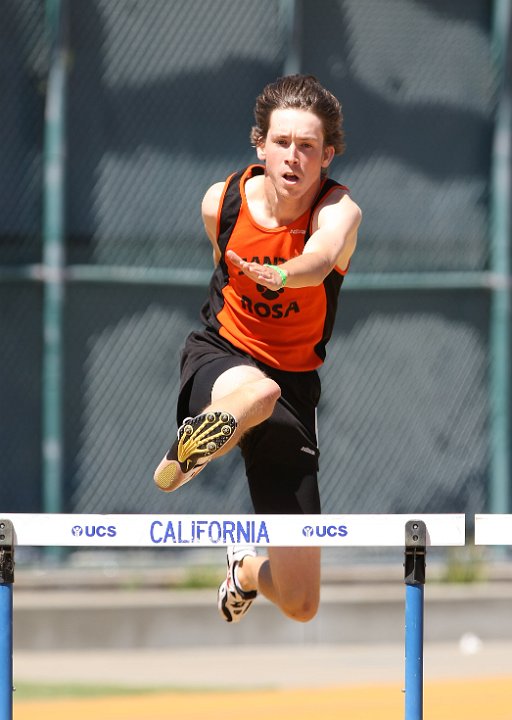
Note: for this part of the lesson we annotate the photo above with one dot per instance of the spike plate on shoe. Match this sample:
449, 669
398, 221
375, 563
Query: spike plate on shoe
198, 439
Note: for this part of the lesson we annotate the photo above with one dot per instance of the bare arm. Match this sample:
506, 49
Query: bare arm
209, 212
331, 244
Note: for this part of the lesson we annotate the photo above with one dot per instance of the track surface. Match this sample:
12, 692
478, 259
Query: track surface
444, 700
463, 681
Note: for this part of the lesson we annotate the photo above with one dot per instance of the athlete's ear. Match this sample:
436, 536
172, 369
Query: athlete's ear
328, 154
260, 151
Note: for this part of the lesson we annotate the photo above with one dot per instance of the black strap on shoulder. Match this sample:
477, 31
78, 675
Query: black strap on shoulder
231, 204
326, 187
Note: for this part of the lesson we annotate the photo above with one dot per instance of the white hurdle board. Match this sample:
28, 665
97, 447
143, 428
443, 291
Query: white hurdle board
165, 531
494, 529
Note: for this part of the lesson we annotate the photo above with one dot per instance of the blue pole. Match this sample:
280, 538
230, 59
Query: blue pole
6, 679
414, 595
414, 565
6, 582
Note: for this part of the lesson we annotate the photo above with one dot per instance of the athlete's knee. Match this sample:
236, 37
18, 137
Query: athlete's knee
301, 609
257, 388
268, 392
300, 604
261, 395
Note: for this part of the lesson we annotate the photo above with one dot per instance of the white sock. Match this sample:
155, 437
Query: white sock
237, 579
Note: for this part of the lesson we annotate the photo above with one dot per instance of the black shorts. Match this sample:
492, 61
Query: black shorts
280, 454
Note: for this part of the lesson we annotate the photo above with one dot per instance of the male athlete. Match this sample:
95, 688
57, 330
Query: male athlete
282, 235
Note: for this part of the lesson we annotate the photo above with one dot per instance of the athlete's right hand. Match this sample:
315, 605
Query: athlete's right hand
262, 274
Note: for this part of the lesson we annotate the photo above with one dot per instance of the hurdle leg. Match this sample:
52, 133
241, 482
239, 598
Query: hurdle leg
414, 565
6, 582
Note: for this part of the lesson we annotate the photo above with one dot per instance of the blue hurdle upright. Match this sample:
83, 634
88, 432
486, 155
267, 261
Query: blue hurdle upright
6, 582
414, 578
413, 533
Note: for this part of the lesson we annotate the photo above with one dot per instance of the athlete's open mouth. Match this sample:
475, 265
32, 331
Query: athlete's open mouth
290, 177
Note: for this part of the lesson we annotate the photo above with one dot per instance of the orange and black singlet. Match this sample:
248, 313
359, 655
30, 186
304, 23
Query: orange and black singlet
287, 329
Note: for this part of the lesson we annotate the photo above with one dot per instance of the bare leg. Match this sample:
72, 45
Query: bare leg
246, 393
289, 577
248, 396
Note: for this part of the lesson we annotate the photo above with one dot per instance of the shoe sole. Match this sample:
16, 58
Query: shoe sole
198, 439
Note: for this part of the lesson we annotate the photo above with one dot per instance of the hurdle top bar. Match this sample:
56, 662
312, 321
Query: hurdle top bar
164, 531
494, 529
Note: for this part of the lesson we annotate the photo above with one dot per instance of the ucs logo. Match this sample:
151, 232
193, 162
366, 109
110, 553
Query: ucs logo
325, 531
94, 530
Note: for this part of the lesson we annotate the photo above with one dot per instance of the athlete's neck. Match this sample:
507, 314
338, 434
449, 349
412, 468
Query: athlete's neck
272, 209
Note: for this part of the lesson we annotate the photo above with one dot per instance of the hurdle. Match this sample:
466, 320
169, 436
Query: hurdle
493, 529
414, 533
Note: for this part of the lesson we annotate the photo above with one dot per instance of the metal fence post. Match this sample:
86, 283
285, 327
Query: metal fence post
501, 197
53, 258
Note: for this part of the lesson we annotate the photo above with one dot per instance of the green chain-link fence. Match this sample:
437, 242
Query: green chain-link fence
160, 96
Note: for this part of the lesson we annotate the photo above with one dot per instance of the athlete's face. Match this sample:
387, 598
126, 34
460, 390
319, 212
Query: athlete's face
294, 151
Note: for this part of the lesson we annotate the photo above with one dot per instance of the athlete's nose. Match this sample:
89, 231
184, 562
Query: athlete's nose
292, 155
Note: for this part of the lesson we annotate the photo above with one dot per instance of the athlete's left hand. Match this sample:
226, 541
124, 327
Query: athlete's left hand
262, 274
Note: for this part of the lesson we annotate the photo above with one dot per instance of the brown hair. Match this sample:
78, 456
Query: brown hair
303, 92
